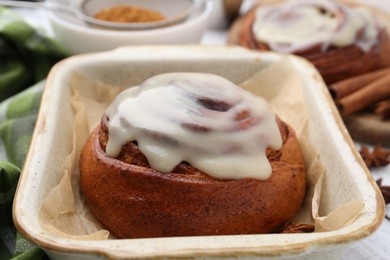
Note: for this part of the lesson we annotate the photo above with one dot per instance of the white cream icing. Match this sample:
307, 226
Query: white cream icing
157, 114
296, 25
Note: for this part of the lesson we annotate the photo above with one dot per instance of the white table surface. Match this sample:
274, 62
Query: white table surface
376, 246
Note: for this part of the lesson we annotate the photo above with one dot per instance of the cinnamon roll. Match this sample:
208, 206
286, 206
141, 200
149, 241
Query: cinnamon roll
341, 41
187, 154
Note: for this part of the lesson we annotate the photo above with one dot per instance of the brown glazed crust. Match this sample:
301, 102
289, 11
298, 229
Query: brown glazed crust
336, 63
134, 201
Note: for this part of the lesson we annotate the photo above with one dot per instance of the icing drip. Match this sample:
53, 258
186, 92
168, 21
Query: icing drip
202, 119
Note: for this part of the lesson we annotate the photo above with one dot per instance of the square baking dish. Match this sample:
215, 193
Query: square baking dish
131, 65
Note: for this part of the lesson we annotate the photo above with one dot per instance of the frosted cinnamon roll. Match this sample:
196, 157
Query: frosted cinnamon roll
187, 154
340, 40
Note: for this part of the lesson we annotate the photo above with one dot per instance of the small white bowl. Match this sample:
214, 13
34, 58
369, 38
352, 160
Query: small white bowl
77, 37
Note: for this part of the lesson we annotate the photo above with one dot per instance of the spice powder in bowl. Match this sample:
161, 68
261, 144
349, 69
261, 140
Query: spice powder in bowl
129, 14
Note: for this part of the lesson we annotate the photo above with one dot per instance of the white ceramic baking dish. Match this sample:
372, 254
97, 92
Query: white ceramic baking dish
130, 66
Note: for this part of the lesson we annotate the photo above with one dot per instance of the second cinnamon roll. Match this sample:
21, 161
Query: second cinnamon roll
339, 39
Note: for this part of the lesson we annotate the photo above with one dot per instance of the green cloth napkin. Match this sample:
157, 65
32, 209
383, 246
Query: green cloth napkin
26, 56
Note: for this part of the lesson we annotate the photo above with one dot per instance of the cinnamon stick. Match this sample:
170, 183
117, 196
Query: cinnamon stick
347, 86
383, 109
373, 92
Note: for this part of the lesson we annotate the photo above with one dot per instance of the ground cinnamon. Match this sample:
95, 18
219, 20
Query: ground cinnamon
347, 86
362, 98
129, 14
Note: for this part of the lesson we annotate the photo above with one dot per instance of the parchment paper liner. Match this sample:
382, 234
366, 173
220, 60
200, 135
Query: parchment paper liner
65, 213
